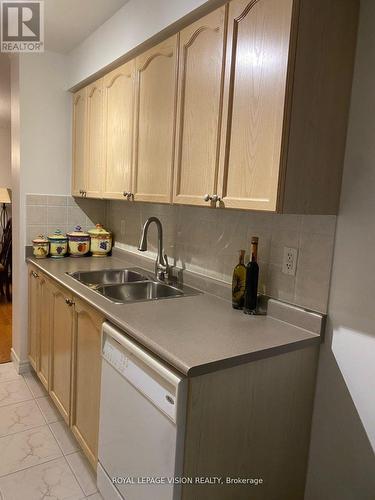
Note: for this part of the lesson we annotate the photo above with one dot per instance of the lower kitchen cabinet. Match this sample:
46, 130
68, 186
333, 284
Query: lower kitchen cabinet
86, 375
39, 324
44, 297
65, 352
33, 289
61, 311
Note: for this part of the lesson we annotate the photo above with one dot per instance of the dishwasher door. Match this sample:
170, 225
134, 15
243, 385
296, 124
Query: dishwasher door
142, 423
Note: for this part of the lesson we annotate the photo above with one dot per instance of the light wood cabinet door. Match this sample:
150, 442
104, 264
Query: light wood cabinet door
118, 87
156, 85
79, 174
201, 65
95, 140
61, 349
44, 296
255, 87
86, 379
33, 330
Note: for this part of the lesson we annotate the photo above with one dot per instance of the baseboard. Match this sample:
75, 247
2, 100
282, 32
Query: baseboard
20, 366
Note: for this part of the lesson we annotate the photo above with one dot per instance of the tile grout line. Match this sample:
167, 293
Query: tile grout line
74, 474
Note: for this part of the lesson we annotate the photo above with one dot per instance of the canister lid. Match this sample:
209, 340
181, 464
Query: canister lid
40, 239
57, 235
98, 230
78, 232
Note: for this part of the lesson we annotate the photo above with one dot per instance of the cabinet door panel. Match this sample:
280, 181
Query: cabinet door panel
44, 331
156, 85
86, 379
33, 291
95, 138
257, 63
79, 142
61, 348
118, 119
199, 108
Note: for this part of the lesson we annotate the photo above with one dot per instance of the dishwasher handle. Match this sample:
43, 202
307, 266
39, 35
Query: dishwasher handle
167, 374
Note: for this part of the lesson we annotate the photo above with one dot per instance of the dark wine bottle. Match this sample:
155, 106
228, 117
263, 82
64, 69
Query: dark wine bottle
238, 282
252, 276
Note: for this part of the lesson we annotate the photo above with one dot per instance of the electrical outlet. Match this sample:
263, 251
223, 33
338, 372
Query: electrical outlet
122, 229
290, 261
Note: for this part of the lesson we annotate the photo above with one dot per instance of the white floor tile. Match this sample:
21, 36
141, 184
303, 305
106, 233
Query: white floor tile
52, 480
19, 417
14, 391
95, 496
83, 472
34, 385
27, 448
64, 437
8, 372
49, 410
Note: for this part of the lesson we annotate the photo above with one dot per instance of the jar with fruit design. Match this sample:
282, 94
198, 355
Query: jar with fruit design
78, 242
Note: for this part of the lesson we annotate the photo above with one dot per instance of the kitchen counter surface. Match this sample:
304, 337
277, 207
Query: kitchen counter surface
194, 334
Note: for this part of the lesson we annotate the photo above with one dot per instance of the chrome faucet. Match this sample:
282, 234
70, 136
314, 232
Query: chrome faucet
161, 264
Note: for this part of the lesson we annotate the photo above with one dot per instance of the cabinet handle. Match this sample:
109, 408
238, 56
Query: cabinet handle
215, 198
69, 302
207, 197
130, 196
125, 194
34, 274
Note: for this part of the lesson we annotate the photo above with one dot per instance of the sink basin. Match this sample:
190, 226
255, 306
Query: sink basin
109, 276
121, 286
134, 292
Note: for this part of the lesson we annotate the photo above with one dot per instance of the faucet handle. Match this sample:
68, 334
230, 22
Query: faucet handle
166, 261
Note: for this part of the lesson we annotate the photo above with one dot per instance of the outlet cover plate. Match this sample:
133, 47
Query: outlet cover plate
290, 261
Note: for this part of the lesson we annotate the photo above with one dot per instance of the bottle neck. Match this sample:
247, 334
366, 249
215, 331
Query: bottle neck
241, 259
254, 252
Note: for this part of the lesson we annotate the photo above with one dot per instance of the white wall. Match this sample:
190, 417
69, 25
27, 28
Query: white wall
5, 170
45, 123
342, 459
41, 158
134, 23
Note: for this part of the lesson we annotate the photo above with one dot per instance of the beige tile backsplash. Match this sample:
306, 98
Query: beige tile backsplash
206, 241
46, 213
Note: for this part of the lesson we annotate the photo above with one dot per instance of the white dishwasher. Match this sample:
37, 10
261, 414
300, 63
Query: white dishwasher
142, 423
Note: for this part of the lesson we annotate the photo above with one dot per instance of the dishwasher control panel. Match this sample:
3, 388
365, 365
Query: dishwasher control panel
140, 376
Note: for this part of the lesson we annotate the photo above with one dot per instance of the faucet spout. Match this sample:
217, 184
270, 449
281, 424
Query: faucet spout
161, 264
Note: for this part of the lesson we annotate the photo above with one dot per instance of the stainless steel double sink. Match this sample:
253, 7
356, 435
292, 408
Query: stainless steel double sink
122, 286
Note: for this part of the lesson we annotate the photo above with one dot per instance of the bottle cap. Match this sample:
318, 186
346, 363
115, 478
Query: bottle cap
254, 239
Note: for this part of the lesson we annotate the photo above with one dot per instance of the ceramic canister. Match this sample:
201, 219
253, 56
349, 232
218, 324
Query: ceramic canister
78, 242
58, 244
40, 247
101, 241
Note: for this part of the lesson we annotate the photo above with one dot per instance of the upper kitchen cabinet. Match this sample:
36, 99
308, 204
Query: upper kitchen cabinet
155, 111
286, 97
118, 130
201, 65
79, 142
95, 140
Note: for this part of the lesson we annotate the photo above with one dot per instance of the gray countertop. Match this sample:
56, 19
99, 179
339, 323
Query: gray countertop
195, 334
